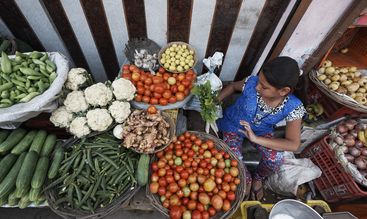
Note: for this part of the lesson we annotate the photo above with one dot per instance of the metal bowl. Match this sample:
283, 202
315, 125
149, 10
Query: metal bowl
293, 209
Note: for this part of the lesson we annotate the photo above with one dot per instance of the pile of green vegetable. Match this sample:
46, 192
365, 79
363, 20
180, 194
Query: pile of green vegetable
24, 77
25, 163
95, 171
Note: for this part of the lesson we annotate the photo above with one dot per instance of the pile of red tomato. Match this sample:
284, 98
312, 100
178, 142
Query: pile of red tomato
193, 178
160, 89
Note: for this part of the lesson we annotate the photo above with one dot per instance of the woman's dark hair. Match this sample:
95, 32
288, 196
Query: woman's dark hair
282, 72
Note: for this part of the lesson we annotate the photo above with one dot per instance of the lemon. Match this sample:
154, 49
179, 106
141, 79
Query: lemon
174, 45
167, 52
184, 46
166, 65
173, 59
179, 68
191, 52
172, 54
177, 62
182, 63
172, 68
172, 49
163, 60
177, 56
191, 64
184, 54
186, 67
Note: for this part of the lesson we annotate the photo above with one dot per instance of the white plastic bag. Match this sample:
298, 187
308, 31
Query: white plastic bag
292, 173
12, 117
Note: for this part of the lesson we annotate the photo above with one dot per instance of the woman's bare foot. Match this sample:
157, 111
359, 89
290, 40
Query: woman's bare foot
257, 190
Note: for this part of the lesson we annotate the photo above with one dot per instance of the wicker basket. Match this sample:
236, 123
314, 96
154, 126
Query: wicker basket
172, 134
178, 43
240, 192
339, 98
138, 44
68, 212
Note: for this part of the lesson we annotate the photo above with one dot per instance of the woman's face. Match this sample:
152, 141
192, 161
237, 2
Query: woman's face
268, 91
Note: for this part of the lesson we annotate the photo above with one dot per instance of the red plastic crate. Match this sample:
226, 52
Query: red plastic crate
334, 184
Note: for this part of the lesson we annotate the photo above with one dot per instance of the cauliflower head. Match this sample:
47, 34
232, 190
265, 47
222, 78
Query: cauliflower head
119, 110
99, 119
76, 78
98, 94
75, 102
79, 127
123, 89
61, 117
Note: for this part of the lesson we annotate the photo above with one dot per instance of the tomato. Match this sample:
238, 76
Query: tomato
174, 200
194, 195
182, 183
237, 181
127, 76
205, 215
186, 191
159, 89
163, 101
180, 96
154, 177
138, 98
227, 177
177, 176
196, 215
226, 205
161, 70
165, 203
175, 212
157, 80
160, 154
186, 215
218, 180
194, 187
154, 187
211, 211
154, 166
189, 77
222, 194
148, 81
226, 187
153, 101
181, 88
132, 67
167, 94
173, 88
186, 92
186, 82
147, 92
169, 180
184, 174
161, 190
191, 205
135, 76
181, 76
231, 196
143, 77
219, 173
204, 198
217, 202
146, 99
179, 169
226, 156
200, 207
187, 163
172, 187
126, 67
185, 200
233, 171
221, 163
140, 90
152, 110
157, 96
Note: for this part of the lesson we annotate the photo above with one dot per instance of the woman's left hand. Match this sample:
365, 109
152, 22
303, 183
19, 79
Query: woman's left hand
248, 131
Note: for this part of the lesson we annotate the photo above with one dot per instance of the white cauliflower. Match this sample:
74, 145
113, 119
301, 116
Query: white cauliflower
75, 102
123, 89
79, 127
119, 110
77, 78
98, 94
61, 117
99, 119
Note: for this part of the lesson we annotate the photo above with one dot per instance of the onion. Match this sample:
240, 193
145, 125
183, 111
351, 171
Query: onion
364, 151
344, 134
341, 128
349, 142
344, 149
349, 157
361, 126
358, 144
360, 163
349, 136
339, 140
354, 133
354, 152
350, 124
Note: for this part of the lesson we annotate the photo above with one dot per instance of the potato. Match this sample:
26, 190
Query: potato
335, 77
321, 70
334, 86
353, 69
321, 77
353, 87
330, 70
342, 90
347, 82
327, 81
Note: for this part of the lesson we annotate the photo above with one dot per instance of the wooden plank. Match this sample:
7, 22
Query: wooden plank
265, 26
135, 18
353, 11
224, 20
179, 20
63, 26
97, 21
18, 24
291, 25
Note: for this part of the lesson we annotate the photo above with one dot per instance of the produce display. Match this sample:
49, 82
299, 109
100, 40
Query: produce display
144, 131
24, 77
177, 57
145, 60
351, 137
346, 80
27, 160
94, 108
193, 178
95, 172
160, 89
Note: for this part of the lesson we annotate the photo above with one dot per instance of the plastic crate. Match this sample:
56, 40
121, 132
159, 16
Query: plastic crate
247, 204
334, 184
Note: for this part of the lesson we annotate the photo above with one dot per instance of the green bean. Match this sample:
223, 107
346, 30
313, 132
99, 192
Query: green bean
20, 96
6, 77
29, 97
6, 86
107, 159
34, 77
5, 105
56, 182
86, 196
22, 89
5, 94
38, 62
52, 76
19, 83
96, 185
44, 57
6, 101
28, 83
77, 160
70, 195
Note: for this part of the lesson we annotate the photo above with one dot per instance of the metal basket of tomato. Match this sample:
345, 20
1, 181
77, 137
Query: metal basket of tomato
196, 176
165, 90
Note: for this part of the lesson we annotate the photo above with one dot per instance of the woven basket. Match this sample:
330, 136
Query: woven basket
178, 43
68, 212
241, 188
339, 98
172, 134
138, 44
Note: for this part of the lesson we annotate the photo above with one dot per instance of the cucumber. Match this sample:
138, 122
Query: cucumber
24, 144
34, 194
3, 135
40, 173
13, 139
24, 202
8, 183
48, 146
56, 162
142, 172
24, 178
38, 141
6, 164
12, 199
